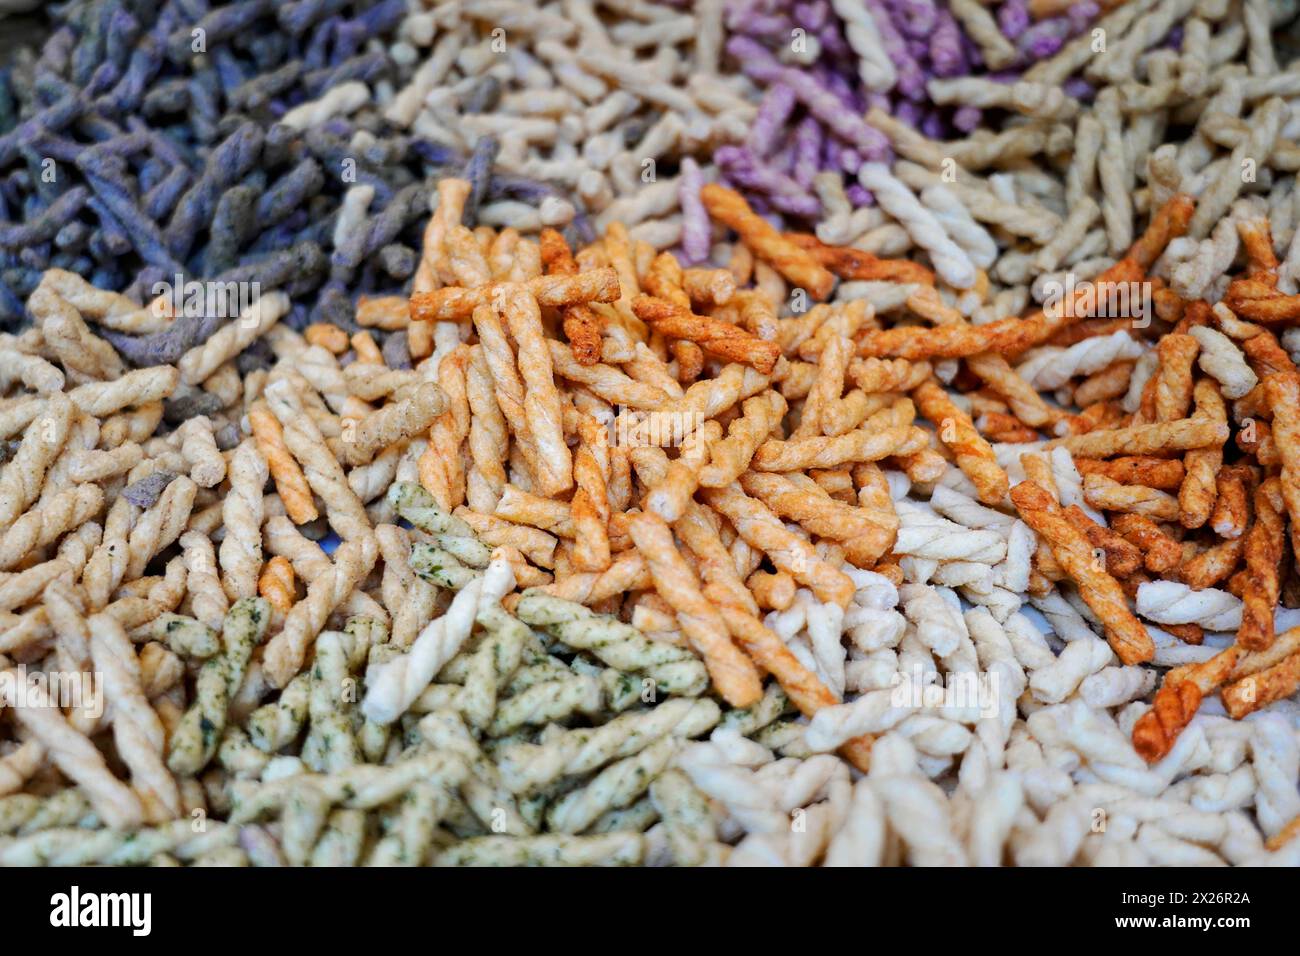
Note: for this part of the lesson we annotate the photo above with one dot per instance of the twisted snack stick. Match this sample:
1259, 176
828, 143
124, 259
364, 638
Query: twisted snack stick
207, 467
974, 455
582, 325
1099, 590
589, 508
733, 674
390, 424
202, 360
482, 789
731, 209
674, 669
542, 411
440, 464
160, 525
605, 381
858, 265
242, 514
951, 262
731, 456
669, 496
22, 478
64, 333
137, 731
606, 849
194, 740
720, 339
1283, 391
488, 438
628, 572
286, 651
207, 597
866, 535
878, 438
1104, 494
393, 687
458, 304
763, 530
1198, 492
290, 482
46, 523
276, 584
344, 509
91, 464
1265, 545
1181, 435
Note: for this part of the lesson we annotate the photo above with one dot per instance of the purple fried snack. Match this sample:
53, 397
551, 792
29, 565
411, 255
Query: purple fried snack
696, 228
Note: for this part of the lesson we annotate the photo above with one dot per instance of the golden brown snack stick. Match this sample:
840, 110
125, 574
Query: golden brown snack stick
590, 505
1197, 494
1161, 552
327, 336
1263, 688
554, 464
455, 303
855, 264
1265, 545
1173, 396
392, 423
1125, 633
387, 312
772, 591
1231, 508
731, 456
955, 429
1213, 565
864, 533
1104, 494
277, 583
888, 375
763, 530
719, 339
1178, 435
290, 482
734, 675
796, 264
1284, 399
582, 325
1164, 473
1122, 558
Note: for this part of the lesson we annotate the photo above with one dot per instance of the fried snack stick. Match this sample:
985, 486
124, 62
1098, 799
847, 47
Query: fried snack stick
344, 510
1122, 558
857, 265
455, 303
286, 651
582, 324
705, 399
22, 479
392, 423
666, 280
46, 523
1263, 688
1160, 552
542, 412
77, 758
720, 339
440, 466
242, 513
1181, 435
796, 264
1106, 495
734, 676
137, 731
160, 525
865, 534
730, 457
1231, 506
974, 455
276, 585
628, 572
1265, 545
1258, 301
763, 530
1167, 474
1283, 392
589, 508
1199, 490
1173, 389
1099, 590
889, 433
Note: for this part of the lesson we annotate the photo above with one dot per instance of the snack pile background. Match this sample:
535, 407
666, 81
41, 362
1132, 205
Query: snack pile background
616, 432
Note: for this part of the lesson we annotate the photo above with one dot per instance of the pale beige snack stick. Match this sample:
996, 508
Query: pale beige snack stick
197, 445
78, 759
731, 456
669, 496
65, 334
286, 651
344, 509
242, 515
231, 339
23, 476
137, 731
1181, 435
160, 525
207, 597
44, 524
589, 508
488, 438
310, 562
390, 424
